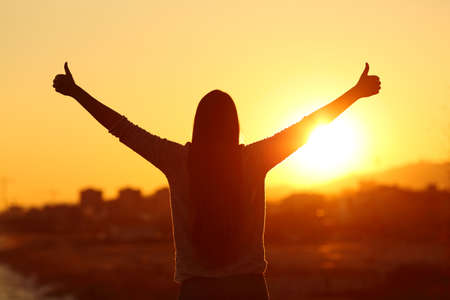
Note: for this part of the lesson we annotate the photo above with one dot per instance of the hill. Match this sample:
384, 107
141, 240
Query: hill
415, 176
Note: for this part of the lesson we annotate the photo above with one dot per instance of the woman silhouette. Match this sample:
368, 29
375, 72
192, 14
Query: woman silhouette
217, 186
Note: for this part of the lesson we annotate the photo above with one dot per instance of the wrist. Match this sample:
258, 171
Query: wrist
76, 91
355, 92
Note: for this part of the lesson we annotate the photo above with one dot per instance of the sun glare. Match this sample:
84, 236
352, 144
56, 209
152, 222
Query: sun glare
331, 150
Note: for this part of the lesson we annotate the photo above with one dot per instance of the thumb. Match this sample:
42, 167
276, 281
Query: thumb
366, 70
66, 68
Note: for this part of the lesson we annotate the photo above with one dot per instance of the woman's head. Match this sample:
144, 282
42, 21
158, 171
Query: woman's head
216, 120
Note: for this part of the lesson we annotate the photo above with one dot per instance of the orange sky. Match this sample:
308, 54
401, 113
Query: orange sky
153, 60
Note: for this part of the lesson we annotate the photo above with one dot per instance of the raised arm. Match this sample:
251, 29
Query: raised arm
271, 151
160, 152
65, 84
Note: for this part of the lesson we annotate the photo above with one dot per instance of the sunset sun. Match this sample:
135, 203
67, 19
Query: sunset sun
330, 151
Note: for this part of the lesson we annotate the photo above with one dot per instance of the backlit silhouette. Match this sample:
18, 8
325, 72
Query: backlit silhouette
217, 186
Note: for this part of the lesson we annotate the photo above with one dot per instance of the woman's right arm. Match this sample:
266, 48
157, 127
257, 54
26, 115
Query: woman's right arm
160, 152
65, 84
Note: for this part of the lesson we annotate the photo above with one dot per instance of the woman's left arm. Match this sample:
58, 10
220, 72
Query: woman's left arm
276, 148
366, 86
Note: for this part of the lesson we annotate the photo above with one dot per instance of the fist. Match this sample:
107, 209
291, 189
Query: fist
64, 83
367, 85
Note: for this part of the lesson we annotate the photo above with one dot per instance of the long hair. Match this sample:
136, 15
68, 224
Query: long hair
215, 178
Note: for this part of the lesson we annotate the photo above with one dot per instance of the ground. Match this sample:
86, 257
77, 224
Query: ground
94, 269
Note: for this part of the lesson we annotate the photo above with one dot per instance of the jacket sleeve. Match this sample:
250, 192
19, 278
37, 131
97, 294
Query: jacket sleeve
162, 153
267, 153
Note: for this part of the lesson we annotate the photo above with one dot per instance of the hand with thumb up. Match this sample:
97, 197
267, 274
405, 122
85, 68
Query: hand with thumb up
64, 83
367, 85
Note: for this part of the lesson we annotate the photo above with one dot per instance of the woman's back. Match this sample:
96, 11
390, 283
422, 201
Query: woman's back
251, 230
